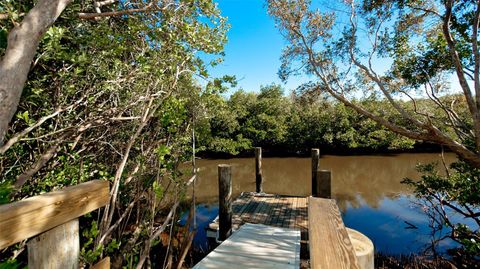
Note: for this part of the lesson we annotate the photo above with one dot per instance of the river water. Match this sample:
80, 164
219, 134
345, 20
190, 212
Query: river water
367, 190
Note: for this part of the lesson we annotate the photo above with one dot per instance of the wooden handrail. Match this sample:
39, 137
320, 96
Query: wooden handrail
330, 245
32, 216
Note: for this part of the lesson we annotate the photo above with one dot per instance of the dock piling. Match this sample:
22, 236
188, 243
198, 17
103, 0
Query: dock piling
258, 170
315, 159
322, 186
224, 201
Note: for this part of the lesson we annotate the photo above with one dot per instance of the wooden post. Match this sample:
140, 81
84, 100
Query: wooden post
364, 249
224, 201
55, 248
323, 185
258, 170
315, 158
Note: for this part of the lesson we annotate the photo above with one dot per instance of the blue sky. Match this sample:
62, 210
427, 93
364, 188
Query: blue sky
254, 46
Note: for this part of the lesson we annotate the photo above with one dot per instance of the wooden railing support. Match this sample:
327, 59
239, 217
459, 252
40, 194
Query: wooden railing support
53, 219
55, 248
258, 170
224, 201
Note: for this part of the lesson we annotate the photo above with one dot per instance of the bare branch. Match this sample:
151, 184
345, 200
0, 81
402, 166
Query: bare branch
23, 133
106, 2
474, 110
39, 164
476, 55
117, 223
92, 16
429, 11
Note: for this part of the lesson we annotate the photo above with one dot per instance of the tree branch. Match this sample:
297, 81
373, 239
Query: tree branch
39, 164
22, 45
92, 16
18, 136
476, 55
474, 110
373, 76
148, 8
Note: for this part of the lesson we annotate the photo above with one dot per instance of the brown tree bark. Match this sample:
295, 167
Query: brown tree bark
22, 45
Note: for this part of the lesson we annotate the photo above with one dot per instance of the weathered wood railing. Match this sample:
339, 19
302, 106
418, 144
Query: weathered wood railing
330, 245
52, 220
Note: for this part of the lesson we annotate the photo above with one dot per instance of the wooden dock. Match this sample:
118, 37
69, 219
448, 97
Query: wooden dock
317, 222
329, 244
268, 209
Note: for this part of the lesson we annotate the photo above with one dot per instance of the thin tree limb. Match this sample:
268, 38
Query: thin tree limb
474, 110
22, 43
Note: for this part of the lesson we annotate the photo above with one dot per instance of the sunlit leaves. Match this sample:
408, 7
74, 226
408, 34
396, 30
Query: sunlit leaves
116, 70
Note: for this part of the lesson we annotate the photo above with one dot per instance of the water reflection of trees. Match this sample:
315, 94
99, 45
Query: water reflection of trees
356, 180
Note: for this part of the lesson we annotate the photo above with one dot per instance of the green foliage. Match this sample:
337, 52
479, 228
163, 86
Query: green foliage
87, 253
123, 79
5, 190
269, 119
159, 190
459, 193
10, 264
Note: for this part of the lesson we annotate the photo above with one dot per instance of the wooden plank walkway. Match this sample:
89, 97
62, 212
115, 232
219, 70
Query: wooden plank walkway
272, 210
269, 209
256, 246
315, 218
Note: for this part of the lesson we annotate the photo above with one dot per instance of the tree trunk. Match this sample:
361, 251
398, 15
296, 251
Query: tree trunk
23, 41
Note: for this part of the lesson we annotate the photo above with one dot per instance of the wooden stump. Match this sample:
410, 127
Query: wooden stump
364, 249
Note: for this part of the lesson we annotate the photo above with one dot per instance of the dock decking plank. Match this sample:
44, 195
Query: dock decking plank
256, 246
266, 210
274, 210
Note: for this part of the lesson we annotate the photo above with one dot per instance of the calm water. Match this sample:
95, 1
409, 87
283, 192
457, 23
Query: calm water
367, 189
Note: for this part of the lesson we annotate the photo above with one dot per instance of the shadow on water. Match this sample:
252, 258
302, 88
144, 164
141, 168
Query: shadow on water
367, 189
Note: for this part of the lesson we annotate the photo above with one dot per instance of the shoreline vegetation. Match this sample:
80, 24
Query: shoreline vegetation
292, 125
324, 150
